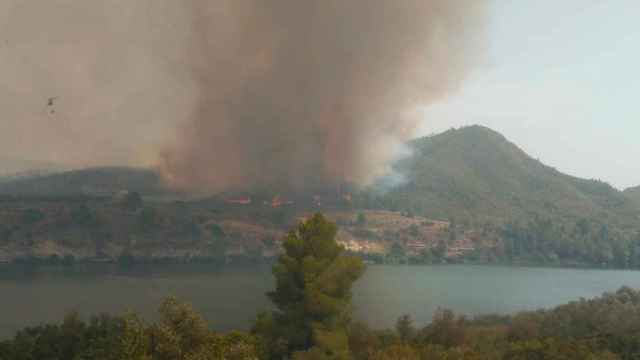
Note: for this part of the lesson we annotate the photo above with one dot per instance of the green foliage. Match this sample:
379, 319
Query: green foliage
32, 216
543, 240
216, 231
476, 176
313, 294
603, 328
73, 339
181, 334
405, 329
475, 172
397, 352
553, 349
134, 340
445, 329
180, 331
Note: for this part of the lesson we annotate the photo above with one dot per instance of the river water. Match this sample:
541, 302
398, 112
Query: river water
230, 297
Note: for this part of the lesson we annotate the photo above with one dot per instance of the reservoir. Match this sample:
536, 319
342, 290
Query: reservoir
230, 297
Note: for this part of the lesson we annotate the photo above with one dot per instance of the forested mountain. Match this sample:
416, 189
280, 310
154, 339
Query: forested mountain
92, 181
475, 173
484, 184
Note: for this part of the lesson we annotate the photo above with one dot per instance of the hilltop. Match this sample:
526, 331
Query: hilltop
476, 173
92, 181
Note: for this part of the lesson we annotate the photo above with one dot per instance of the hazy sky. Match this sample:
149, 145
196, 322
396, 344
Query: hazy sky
563, 82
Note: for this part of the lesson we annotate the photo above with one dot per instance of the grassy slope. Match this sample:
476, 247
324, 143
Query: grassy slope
474, 172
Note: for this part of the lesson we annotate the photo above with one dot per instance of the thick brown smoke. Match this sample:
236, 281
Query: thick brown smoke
91, 82
286, 93
296, 94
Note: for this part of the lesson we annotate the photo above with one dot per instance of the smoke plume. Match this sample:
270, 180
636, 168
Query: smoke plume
229, 93
297, 94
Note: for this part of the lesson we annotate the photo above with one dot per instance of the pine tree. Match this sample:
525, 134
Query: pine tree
312, 295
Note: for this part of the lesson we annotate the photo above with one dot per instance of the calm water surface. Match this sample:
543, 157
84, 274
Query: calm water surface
231, 297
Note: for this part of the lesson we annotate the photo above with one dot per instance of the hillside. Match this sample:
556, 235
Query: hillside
475, 173
634, 194
92, 181
468, 195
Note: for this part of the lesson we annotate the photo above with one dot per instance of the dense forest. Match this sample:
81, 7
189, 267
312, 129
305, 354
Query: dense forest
312, 320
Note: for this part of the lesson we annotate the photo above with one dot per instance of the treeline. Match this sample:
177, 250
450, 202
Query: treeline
538, 241
603, 328
312, 320
554, 242
607, 327
180, 333
584, 242
118, 229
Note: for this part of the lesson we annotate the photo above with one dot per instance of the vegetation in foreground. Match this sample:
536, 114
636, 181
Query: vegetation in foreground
312, 320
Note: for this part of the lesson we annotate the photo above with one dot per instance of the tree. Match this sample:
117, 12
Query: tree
405, 329
182, 334
397, 352
361, 220
452, 229
134, 340
363, 342
32, 216
312, 295
181, 331
397, 254
446, 329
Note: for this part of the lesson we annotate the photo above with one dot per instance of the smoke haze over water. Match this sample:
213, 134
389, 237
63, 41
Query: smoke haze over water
283, 93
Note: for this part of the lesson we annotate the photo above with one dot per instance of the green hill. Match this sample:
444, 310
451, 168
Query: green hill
475, 173
92, 181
